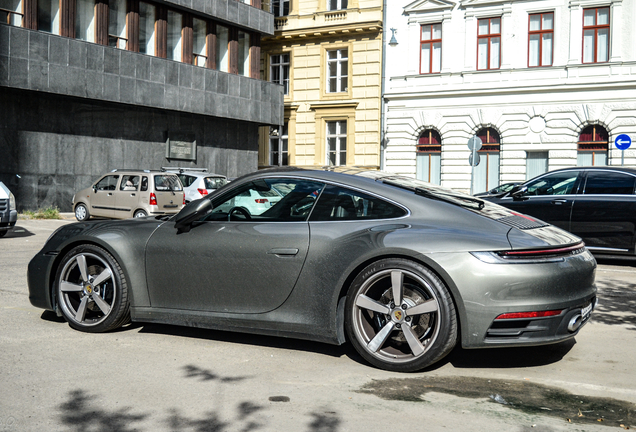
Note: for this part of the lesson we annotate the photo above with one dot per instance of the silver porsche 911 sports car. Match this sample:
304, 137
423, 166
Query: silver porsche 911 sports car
402, 269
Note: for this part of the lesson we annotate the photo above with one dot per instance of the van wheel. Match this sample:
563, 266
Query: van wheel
81, 213
140, 213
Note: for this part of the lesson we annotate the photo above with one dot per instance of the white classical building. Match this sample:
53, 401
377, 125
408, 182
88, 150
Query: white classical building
545, 84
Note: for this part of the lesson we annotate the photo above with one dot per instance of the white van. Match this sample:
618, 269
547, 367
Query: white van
8, 212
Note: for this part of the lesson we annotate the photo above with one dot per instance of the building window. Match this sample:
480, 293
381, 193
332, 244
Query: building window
243, 53
85, 20
540, 39
596, 26
175, 25
536, 164
279, 70
117, 36
222, 51
429, 157
337, 142
487, 172
199, 43
147, 14
489, 43
278, 149
431, 49
592, 146
337, 69
49, 16
280, 7
334, 5
11, 12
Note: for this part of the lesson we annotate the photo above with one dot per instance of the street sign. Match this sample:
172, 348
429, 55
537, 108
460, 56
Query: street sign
474, 143
473, 161
622, 142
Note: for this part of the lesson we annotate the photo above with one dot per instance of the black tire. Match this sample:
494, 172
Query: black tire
92, 291
140, 213
81, 212
393, 337
3, 233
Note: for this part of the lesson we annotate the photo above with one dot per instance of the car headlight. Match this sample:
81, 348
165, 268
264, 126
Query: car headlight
11, 202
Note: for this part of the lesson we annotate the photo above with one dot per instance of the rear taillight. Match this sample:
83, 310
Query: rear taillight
527, 315
184, 203
261, 200
153, 198
203, 191
531, 256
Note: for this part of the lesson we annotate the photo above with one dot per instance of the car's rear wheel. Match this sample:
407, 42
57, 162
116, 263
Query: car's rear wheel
3, 233
140, 213
91, 290
400, 316
81, 213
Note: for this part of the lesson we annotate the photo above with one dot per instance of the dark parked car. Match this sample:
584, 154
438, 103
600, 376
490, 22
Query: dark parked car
402, 269
595, 203
501, 189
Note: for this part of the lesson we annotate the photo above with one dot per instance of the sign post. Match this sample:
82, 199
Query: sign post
622, 142
474, 144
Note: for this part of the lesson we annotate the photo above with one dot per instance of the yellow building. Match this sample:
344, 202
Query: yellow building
328, 55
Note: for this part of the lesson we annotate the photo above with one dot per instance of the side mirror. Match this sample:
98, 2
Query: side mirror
191, 212
518, 192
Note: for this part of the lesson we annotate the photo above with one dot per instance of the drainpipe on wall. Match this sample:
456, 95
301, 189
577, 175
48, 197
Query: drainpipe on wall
382, 114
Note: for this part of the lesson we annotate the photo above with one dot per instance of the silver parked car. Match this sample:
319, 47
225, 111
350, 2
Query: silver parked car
197, 182
401, 269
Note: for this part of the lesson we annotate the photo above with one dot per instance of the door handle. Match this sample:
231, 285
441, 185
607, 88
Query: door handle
283, 251
559, 201
132, 194
110, 194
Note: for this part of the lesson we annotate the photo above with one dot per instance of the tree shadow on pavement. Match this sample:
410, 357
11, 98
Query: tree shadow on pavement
617, 303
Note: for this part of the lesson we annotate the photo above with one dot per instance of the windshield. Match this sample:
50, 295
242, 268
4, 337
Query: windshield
167, 182
429, 190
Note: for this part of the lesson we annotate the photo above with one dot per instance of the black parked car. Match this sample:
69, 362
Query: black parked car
595, 203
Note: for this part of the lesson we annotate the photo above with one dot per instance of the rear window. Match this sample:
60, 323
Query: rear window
609, 183
165, 182
186, 179
214, 182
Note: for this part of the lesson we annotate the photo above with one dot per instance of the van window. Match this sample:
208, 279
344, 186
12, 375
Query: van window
129, 183
166, 182
144, 183
108, 183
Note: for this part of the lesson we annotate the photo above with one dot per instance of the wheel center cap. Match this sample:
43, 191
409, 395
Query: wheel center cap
397, 315
88, 289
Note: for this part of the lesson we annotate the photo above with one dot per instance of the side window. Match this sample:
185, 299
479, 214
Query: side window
144, 184
108, 183
604, 183
271, 200
129, 183
338, 203
554, 184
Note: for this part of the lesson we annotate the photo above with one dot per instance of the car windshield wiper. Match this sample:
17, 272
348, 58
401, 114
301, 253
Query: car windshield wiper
460, 200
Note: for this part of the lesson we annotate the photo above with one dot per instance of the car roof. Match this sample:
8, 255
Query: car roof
596, 168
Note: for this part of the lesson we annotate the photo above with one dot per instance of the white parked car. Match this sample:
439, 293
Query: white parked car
254, 201
8, 211
197, 182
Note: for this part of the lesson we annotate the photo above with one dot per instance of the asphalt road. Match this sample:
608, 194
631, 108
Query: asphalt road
165, 378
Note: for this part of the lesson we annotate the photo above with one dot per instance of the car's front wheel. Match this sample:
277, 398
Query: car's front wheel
81, 213
400, 316
91, 290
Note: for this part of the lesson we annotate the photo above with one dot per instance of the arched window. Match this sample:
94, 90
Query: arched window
592, 146
429, 157
487, 172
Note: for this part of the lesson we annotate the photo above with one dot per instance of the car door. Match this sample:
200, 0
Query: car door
231, 261
102, 197
127, 197
604, 214
548, 197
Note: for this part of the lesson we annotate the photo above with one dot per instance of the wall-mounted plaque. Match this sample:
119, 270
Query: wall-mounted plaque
181, 148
